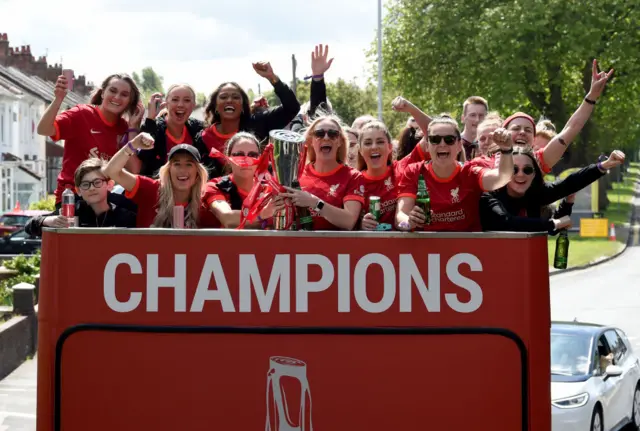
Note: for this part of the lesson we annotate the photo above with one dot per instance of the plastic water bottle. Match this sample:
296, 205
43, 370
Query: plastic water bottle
69, 206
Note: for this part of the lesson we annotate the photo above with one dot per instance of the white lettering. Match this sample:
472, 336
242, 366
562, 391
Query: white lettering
303, 285
178, 282
344, 281
213, 267
250, 274
360, 283
409, 273
109, 283
475, 300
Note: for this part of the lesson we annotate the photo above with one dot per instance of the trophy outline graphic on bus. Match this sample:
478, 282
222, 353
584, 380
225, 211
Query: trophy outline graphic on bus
279, 367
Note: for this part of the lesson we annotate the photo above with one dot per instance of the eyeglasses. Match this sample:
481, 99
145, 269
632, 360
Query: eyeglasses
320, 133
253, 154
437, 139
527, 170
97, 183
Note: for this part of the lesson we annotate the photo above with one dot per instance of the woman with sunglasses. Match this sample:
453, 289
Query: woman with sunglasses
333, 191
454, 188
224, 196
517, 206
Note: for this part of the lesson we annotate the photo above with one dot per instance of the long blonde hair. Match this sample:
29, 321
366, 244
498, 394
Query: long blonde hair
341, 155
166, 201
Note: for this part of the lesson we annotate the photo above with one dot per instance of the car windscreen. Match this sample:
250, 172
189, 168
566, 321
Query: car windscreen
13, 220
570, 354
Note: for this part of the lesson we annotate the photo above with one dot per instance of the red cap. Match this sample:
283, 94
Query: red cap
506, 122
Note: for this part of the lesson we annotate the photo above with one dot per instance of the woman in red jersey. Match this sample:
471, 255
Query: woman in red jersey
181, 183
454, 188
168, 131
93, 130
379, 173
229, 112
224, 196
332, 191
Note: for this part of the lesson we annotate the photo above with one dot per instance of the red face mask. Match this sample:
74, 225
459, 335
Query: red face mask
244, 161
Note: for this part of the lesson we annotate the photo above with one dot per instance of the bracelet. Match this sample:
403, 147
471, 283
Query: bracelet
600, 167
562, 141
306, 78
132, 148
589, 101
509, 151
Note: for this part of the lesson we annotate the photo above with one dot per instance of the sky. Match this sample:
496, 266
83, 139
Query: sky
200, 42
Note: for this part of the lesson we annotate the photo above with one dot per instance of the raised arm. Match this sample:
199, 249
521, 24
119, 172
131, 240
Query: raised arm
46, 124
277, 117
496, 178
115, 169
319, 66
400, 104
554, 151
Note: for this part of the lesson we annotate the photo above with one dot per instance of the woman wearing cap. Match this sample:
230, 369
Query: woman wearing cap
518, 206
94, 129
333, 191
454, 188
229, 112
224, 196
181, 182
523, 126
177, 127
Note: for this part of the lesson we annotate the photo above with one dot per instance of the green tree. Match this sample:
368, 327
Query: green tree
533, 56
148, 82
201, 99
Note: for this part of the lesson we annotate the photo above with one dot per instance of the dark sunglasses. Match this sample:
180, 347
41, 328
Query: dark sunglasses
527, 170
97, 183
252, 154
320, 133
448, 139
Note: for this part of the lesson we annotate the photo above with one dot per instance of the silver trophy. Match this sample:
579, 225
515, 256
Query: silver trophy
287, 150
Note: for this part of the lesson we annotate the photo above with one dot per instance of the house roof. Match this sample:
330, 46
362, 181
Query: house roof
36, 86
9, 87
8, 157
29, 172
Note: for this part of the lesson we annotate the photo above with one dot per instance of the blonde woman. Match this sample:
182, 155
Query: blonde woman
333, 191
181, 182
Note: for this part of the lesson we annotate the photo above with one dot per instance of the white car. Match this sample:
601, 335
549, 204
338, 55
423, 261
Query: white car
595, 379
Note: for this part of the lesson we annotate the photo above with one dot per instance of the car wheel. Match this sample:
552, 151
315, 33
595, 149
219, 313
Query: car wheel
596, 420
635, 412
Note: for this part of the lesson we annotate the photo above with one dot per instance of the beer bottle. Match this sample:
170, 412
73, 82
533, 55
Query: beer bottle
304, 219
562, 250
374, 207
423, 200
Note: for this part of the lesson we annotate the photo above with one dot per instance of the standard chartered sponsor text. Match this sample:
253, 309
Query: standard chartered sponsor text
448, 217
289, 273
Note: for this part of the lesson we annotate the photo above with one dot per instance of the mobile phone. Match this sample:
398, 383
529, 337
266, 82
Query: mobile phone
68, 73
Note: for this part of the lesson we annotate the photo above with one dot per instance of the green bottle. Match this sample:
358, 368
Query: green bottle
562, 250
423, 200
304, 220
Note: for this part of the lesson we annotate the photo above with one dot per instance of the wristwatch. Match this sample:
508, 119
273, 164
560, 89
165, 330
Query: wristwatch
319, 205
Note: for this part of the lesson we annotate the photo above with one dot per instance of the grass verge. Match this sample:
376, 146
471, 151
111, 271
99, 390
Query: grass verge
585, 250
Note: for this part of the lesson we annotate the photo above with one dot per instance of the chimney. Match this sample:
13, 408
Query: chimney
23, 61
39, 67
53, 72
5, 50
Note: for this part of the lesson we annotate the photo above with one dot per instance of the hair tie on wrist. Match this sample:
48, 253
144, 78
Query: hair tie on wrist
589, 101
509, 151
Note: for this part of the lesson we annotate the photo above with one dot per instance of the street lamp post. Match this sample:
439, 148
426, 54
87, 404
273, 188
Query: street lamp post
380, 60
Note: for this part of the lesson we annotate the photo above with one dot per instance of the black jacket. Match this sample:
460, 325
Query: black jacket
501, 212
116, 216
317, 97
154, 158
260, 124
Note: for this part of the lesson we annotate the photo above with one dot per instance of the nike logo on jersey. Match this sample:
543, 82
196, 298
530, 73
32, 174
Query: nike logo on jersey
94, 132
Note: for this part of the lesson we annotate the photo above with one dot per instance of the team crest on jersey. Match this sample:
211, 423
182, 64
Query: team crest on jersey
333, 189
361, 191
388, 184
455, 198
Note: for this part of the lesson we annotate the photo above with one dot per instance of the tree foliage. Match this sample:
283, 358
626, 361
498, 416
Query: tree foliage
148, 82
529, 55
